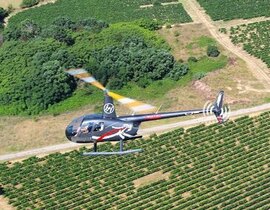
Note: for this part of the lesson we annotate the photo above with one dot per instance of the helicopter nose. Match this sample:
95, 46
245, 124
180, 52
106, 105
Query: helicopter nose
69, 132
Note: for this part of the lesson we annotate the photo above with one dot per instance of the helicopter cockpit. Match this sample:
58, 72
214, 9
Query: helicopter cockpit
81, 129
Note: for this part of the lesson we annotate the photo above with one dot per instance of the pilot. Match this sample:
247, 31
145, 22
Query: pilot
86, 129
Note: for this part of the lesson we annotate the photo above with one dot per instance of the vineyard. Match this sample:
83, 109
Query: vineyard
255, 39
231, 9
110, 11
208, 167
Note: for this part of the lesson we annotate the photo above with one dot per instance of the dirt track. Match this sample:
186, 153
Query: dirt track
256, 66
147, 131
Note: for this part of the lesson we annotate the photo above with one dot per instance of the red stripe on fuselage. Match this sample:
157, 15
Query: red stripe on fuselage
113, 131
152, 117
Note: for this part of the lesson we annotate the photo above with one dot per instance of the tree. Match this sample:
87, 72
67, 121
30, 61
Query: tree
29, 29
92, 24
64, 23
151, 25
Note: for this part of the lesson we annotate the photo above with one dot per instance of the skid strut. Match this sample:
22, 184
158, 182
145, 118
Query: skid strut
120, 152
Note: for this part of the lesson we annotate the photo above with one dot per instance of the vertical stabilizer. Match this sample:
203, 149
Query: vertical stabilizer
108, 107
218, 106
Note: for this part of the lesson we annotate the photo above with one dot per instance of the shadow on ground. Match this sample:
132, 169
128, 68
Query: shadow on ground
2, 192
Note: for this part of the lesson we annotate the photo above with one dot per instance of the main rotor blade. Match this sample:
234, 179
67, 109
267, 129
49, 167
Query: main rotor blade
86, 77
134, 105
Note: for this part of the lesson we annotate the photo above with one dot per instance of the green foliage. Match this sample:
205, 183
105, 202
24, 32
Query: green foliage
29, 3
223, 30
27, 29
115, 55
61, 29
204, 41
192, 59
231, 9
32, 75
255, 39
157, 3
143, 82
108, 11
178, 71
151, 25
206, 64
219, 165
199, 75
131, 61
212, 51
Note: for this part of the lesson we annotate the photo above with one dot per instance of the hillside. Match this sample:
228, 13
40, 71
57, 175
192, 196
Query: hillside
215, 166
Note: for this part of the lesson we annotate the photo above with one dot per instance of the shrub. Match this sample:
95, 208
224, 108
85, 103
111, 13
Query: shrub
212, 51
178, 71
198, 75
151, 25
157, 3
192, 59
143, 82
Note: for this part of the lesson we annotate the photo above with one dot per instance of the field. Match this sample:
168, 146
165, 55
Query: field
254, 38
215, 166
231, 9
110, 11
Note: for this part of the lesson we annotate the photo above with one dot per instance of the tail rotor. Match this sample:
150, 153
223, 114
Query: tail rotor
221, 112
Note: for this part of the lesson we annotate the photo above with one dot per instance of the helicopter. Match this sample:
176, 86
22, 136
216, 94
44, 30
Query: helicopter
108, 127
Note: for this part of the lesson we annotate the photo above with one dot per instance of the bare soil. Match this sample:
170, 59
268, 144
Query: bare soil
15, 3
154, 177
4, 204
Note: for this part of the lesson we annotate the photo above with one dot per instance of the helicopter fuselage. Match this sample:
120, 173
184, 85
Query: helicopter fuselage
94, 128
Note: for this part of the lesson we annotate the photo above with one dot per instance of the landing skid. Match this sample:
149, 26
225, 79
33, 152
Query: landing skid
121, 151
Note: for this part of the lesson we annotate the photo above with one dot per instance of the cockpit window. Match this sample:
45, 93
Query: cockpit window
86, 126
99, 126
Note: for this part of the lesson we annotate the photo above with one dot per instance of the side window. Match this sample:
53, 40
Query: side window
99, 126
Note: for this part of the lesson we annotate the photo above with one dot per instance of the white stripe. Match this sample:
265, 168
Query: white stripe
76, 71
219, 99
143, 107
126, 100
89, 79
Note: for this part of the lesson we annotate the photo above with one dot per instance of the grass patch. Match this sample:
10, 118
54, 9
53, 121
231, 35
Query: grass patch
204, 41
201, 42
206, 64
80, 98
267, 100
